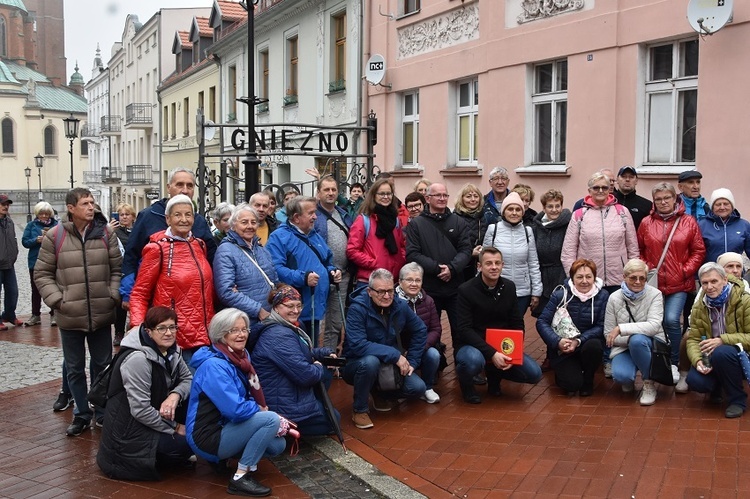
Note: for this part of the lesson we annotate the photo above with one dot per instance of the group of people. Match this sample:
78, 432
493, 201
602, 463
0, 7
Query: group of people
367, 278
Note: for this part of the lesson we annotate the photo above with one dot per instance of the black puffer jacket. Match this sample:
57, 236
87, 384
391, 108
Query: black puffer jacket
549, 242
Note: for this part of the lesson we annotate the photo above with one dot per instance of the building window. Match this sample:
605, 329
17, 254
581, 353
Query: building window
186, 116
468, 116
550, 111
232, 97
409, 6
292, 68
3, 37
338, 78
671, 102
263, 80
200, 101
7, 134
196, 52
212, 104
410, 138
173, 120
166, 122
84, 147
49, 141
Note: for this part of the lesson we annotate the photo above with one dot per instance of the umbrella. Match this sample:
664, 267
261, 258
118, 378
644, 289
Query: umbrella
330, 411
744, 361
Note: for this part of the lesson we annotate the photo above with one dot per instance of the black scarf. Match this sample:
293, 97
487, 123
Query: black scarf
386, 224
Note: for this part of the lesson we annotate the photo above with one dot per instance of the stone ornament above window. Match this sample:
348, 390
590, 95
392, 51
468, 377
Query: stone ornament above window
452, 28
534, 10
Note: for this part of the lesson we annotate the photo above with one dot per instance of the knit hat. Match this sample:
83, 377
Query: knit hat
722, 193
729, 257
512, 198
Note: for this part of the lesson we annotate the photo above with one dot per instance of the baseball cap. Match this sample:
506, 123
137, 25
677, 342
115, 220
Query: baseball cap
627, 169
688, 175
4, 199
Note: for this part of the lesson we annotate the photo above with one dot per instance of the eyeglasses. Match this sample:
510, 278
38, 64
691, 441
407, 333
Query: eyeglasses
499, 179
236, 330
663, 200
439, 196
636, 278
172, 328
295, 308
414, 207
383, 292
384, 194
599, 188
411, 280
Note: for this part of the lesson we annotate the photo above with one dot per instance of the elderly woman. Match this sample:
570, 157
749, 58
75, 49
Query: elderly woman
243, 269
220, 218
32, 238
470, 207
125, 219
632, 323
143, 424
422, 185
516, 242
415, 203
723, 229
376, 239
576, 360
175, 273
410, 289
668, 231
227, 414
290, 367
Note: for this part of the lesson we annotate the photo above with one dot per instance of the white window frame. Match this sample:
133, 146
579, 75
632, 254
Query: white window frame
413, 120
289, 89
554, 98
408, 7
471, 111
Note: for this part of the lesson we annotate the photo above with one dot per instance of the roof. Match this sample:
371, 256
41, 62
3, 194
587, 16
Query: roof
48, 96
14, 3
203, 27
226, 11
176, 77
180, 42
5, 75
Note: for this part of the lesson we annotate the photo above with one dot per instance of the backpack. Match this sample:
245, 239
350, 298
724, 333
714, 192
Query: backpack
99, 391
366, 222
61, 234
580, 212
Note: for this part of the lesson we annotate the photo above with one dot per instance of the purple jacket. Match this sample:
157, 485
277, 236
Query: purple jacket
425, 309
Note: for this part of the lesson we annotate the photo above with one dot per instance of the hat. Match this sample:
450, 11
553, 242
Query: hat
722, 193
688, 175
627, 169
283, 293
4, 199
512, 198
729, 257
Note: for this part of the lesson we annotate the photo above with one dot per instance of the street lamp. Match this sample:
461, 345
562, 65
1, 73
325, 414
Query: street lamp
27, 171
71, 133
39, 160
251, 160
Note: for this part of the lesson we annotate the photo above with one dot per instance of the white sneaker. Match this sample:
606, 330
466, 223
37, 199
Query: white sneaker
648, 395
682, 386
675, 374
608, 370
628, 387
430, 396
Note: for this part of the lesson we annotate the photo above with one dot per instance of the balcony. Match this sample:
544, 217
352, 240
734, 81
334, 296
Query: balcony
111, 125
92, 178
138, 116
111, 175
89, 131
140, 175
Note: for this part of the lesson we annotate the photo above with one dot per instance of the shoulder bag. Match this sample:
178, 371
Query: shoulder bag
562, 323
653, 274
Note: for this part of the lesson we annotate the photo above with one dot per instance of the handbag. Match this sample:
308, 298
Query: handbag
389, 378
652, 278
660, 370
562, 323
288, 428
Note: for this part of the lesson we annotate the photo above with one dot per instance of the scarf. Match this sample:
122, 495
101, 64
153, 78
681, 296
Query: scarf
275, 318
241, 360
45, 222
386, 223
629, 294
584, 297
720, 300
400, 292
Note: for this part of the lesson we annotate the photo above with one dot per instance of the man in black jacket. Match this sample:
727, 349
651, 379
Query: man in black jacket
488, 301
639, 207
439, 241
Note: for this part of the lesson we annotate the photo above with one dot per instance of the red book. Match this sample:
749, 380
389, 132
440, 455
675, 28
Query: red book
508, 342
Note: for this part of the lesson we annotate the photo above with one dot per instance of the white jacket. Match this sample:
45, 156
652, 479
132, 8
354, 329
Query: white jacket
648, 312
521, 264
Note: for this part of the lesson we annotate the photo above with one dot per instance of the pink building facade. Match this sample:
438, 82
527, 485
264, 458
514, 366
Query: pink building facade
554, 91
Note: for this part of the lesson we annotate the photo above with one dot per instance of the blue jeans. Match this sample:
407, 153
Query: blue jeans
9, 283
673, 305
74, 352
470, 362
362, 373
252, 439
429, 366
726, 374
636, 358
523, 304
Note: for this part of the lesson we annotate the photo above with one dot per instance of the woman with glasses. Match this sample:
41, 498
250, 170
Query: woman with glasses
415, 203
289, 366
227, 414
632, 322
470, 207
144, 421
376, 239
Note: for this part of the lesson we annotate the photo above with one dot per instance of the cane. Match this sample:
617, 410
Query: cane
312, 318
343, 319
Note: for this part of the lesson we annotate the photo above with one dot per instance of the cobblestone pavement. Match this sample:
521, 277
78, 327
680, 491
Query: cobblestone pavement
26, 365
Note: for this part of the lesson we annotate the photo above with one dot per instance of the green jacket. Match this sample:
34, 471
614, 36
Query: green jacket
737, 321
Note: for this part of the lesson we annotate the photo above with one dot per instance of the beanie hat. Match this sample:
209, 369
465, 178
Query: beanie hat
729, 257
722, 193
512, 198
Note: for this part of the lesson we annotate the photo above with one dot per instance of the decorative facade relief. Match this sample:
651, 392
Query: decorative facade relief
336, 105
534, 10
321, 38
452, 28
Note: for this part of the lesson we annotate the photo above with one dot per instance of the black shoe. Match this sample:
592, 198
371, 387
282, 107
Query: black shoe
479, 380
247, 486
470, 394
734, 411
77, 426
64, 400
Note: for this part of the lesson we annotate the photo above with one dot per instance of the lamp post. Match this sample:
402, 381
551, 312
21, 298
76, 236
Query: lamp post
27, 171
39, 160
251, 161
71, 133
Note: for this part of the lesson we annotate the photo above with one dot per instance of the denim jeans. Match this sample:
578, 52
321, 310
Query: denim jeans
362, 373
523, 304
9, 286
470, 362
74, 352
726, 374
448, 303
673, 305
636, 358
65, 386
429, 366
252, 439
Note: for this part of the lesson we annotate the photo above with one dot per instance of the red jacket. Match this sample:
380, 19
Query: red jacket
368, 251
175, 273
686, 252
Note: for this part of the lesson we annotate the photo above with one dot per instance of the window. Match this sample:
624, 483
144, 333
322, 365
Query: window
671, 102
410, 137
166, 122
186, 116
232, 98
196, 52
173, 120
84, 147
49, 141
200, 101
212, 104
292, 68
468, 116
338, 77
3, 37
409, 6
7, 134
550, 110
263, 80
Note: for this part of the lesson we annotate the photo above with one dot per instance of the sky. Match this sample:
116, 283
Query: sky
88, 22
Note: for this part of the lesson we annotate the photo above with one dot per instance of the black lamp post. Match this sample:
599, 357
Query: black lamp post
27, 171
39, 160
71, 133
251, 161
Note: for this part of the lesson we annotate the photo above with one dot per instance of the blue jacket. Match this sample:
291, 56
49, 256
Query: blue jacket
239, 283
284, 363
321, 223
150, 221
370, 333
220, 394
294, 257
720, 237
491, 210
34, 229
588, 317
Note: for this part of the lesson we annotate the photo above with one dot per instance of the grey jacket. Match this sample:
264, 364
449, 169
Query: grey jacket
8, 243
648, 312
